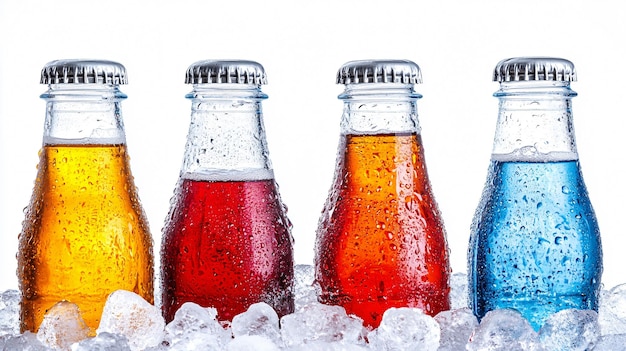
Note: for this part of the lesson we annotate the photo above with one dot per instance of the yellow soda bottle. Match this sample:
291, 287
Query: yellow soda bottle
85, 234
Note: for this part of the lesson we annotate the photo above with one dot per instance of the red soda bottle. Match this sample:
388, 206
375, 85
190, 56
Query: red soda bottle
227, 240
381, 241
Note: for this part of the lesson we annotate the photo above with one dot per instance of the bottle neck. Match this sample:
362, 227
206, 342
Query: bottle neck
83, 114
535, 122
226, 138
385, 108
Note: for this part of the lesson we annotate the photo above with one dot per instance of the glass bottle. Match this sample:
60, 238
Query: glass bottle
85, 234
227, 240
535, 243
380, 240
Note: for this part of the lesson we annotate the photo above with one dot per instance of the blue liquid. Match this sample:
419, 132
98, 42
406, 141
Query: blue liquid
535, 243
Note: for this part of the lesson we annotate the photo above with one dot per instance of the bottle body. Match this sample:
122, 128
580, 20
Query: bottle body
535, 242
227, 244
85, 234
227, 240
380, 240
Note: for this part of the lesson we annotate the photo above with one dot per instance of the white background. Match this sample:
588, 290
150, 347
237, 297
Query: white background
302, 44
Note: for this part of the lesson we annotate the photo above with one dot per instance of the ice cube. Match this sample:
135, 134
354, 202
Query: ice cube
193, 322
611, 342
252, 342
405, 328
504, 330
10, 312
62, 326
612, 311
456, 328
326, 346
103, 342
318, 322
23, 342
570, 330
259, 319
198, 341
304, 291
458, 291
128, 314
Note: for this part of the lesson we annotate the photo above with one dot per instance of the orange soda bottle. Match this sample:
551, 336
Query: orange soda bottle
85, 234
381, 241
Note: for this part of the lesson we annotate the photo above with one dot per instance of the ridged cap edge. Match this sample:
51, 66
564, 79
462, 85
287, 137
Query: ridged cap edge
78, 71
534, 69
379, 71
226, 71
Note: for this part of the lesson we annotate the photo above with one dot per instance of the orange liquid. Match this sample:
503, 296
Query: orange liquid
381, 241
85, 234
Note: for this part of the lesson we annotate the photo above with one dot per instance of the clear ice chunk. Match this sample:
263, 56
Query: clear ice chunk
62, 326
304, 290
22, 342
259, 319
103, 342
327, 346
570, 329
405, 328
458, 291
612, 311
456, 328
611, 342
198, 342
193, 322
504, 330
128, 314
252, 342
10, 312
318, 322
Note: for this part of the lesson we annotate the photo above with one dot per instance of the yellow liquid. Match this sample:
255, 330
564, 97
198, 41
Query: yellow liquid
85, 234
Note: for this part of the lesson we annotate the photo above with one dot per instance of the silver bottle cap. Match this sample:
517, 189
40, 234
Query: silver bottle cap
226, 71
83, 72
379, 71
534, 68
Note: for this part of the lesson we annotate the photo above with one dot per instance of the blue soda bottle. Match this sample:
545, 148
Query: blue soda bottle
535, 243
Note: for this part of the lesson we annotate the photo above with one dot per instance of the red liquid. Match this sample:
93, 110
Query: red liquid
381, 241
227, 245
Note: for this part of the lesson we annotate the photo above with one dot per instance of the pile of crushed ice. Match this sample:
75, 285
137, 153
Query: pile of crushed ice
129, 323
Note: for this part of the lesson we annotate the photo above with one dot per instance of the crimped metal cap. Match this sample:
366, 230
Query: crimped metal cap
379, 71
226, 71
534, 68
83, 72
